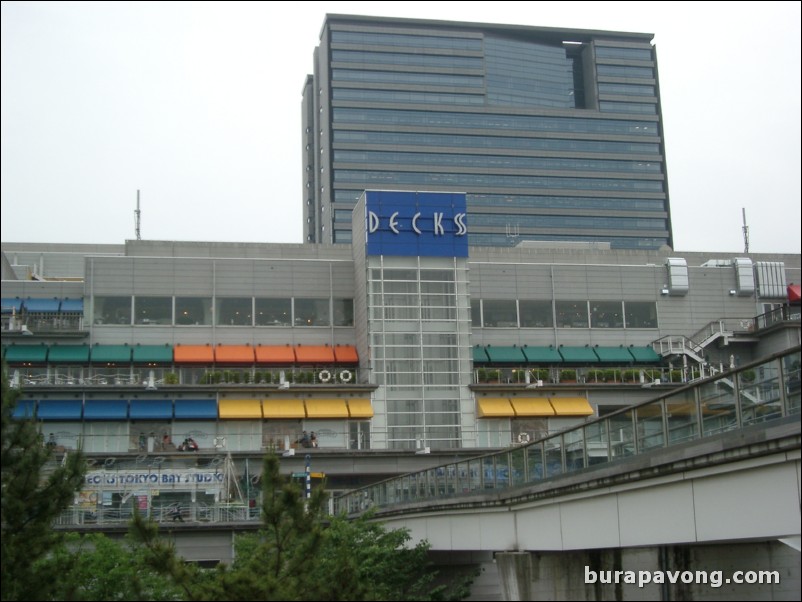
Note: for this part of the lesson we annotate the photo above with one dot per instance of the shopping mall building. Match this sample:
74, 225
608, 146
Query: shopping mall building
399, 350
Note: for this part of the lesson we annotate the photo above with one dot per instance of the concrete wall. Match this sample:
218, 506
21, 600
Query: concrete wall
562, 575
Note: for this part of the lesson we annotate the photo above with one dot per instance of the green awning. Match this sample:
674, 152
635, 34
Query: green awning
111, 354
644, 354
542, 355
18, 354
613, 355
505, 355
153, 354
479, 355
68, 354
579, 355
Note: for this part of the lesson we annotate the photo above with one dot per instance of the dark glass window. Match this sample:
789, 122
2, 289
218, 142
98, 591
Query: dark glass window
195, 311
606, 314
273, 312
571, 314
535, 314
234, 311
112, 310
476, 313
343, 312
500, 313
153, 310
641, 314
312, 312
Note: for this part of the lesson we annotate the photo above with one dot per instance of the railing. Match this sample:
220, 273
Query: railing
196, 512
756, 393
102, 377
786, 313
555, 375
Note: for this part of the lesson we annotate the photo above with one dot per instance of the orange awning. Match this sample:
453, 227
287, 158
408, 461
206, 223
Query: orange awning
193, 354
346, 354
314, 354
275, 354
233, 354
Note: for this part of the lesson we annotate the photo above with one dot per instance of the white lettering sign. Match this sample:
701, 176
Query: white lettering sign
438, 229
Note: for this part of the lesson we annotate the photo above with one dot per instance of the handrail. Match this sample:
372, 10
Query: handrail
755, 393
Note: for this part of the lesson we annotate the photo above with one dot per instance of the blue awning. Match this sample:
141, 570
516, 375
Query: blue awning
196, 409
11, 305
72, 306
59, 409
106, 409
42, 306
151, 409
25, 408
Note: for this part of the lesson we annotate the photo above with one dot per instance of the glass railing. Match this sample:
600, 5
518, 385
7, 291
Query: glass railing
756, 393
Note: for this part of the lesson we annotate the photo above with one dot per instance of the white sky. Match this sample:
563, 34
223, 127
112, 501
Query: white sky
198, 105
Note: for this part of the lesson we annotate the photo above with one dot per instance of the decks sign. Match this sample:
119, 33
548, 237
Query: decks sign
416, 224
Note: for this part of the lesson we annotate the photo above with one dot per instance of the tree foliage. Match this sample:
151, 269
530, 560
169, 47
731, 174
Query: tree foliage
300, 555
35, 490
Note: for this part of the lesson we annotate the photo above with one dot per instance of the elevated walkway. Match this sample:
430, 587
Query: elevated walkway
716, 460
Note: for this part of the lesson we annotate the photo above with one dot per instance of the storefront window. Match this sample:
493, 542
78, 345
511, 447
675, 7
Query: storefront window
312, 312
153, 310
112, 310
193, 311
572, 314
234, 311
535, 314
273, 312
641, 314
500, 313
343, 312
606, 314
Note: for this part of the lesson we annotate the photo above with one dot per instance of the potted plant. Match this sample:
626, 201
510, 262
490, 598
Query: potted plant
171, 378
567, 375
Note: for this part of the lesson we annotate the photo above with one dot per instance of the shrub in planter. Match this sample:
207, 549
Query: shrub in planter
567, 375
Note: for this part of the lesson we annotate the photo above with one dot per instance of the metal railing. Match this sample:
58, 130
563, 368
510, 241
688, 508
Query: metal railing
756, 393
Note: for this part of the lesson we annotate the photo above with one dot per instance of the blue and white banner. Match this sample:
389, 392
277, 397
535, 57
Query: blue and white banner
416, 224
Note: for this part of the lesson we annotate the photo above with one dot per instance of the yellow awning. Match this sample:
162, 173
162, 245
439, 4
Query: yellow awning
531, 406
360, 408
571, 406
284, 408
494, 407
240, 408
326, 408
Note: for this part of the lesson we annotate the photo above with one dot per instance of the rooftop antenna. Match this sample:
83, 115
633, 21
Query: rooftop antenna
746, 232
138, 215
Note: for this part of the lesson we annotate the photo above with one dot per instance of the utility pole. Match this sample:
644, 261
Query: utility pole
746, 232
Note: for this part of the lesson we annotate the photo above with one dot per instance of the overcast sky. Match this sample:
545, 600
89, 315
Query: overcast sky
198, 105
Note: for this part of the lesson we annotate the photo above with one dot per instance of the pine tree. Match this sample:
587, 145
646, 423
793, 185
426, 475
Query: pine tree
35, 490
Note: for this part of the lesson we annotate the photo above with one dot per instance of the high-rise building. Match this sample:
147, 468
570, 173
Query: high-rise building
554, 134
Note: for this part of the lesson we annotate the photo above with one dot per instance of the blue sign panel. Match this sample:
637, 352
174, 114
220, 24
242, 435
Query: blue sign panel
416, 224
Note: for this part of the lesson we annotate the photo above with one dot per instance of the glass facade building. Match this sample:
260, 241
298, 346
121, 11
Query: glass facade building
554, 134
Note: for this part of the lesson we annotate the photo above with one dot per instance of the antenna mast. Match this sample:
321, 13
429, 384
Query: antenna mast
138, 215
746, 232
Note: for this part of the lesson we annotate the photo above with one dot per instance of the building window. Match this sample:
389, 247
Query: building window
500, 313
343, 312
572, 314
606, 314
273, 312
640, 314
112, 310
234, 311
193, 311
312, 312
153, 310
476, 313
535, 314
